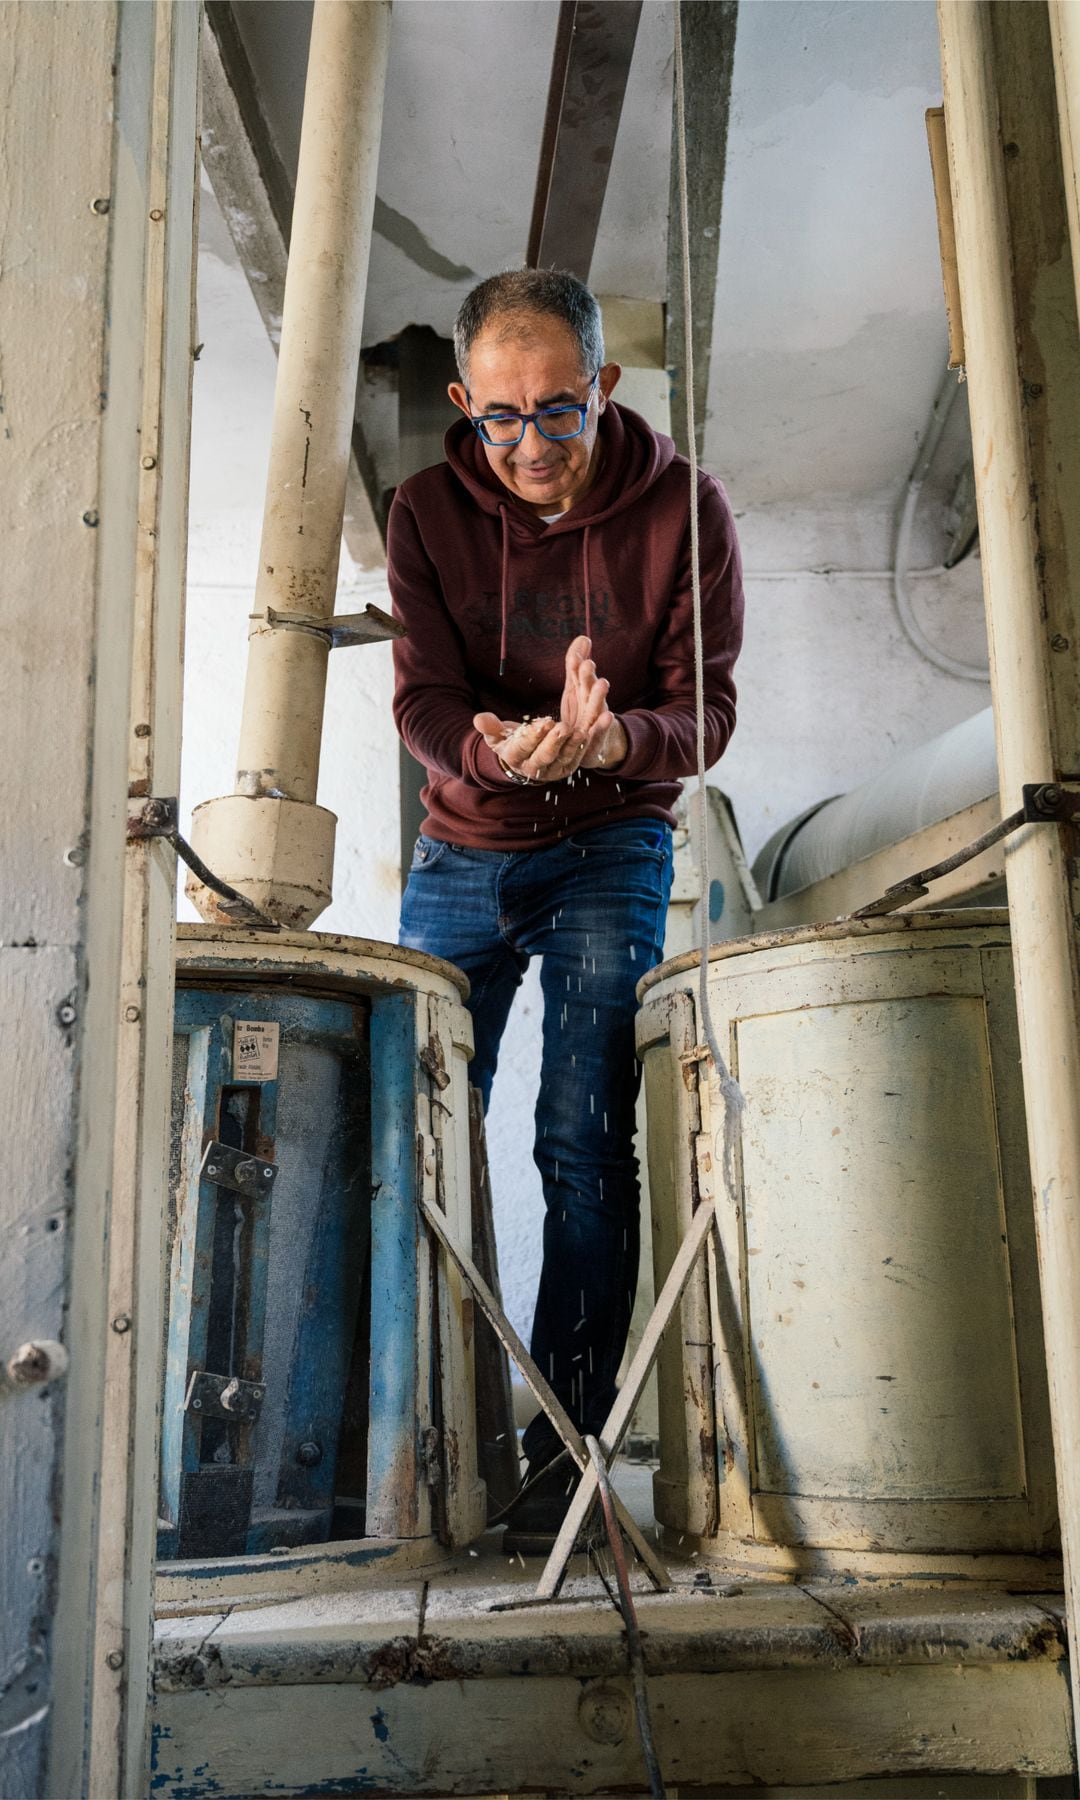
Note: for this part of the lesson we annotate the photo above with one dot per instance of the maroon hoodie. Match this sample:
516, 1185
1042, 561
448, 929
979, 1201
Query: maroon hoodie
492, 597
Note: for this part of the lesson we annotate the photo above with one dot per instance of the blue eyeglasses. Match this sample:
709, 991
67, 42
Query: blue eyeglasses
503, 430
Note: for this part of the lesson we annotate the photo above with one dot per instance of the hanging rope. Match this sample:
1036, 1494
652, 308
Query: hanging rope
729, 1087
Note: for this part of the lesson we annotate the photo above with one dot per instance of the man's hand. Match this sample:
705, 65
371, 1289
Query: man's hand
585, 735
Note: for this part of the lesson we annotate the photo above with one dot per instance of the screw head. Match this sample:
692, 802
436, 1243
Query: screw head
131, 1014
1059, 642
155, 812
156, 213
149, 462
66, 1013
115, 1659
90, 516
142, 730
100, 206
122, 1323
309, 1455
196, 1405
211, 1168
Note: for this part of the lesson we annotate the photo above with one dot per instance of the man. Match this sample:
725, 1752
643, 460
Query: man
547, 685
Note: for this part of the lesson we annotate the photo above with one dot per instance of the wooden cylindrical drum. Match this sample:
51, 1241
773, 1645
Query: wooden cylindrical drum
858, 1384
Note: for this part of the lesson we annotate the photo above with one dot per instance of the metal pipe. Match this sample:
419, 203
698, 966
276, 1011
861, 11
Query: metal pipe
270, 839
1018, 316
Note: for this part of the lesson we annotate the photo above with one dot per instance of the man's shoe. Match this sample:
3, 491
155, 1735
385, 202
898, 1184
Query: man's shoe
536, 1517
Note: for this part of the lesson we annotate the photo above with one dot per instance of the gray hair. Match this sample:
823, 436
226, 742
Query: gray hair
522, 292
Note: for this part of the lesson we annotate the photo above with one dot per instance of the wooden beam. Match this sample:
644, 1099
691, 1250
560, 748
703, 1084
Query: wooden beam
594, 47
1023, 363
255, 194
708, 35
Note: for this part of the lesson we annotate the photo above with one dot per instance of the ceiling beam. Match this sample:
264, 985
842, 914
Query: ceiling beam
594, 46
708, 45
255, 195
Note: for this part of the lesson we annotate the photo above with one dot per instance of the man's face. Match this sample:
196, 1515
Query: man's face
519, 365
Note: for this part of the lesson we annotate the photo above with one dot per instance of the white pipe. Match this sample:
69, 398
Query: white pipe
269, 839
952, 665
1027, 470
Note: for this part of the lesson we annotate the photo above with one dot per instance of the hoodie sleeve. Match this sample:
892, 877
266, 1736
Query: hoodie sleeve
662, 738
434, 703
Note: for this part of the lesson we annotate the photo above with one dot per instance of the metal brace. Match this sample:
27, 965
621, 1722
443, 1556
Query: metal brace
224, 1397
234, 1169
1044, 803
341, 630
160, 818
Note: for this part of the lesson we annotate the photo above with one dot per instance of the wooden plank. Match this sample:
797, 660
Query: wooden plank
130, 1439
508, 1735
550, 1402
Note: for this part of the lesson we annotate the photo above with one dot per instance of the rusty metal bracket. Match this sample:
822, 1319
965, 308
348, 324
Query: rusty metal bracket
160, 818
341, 630
1044, 803
224, 1397
236, 1170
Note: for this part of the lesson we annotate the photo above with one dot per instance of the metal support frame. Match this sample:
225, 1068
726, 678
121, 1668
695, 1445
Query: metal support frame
594, 46
708, 37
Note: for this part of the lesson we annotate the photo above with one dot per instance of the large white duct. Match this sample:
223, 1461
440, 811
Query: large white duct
939, 778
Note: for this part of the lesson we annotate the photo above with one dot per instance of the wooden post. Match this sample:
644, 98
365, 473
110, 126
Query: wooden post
1023, 365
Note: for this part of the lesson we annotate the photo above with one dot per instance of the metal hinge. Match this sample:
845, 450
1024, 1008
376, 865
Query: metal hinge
236, 1169
224, 1397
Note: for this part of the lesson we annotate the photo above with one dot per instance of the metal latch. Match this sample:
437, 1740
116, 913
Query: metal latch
224, 1397
236, 1169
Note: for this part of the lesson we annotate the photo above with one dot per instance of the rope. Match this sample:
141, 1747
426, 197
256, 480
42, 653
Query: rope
729, 1087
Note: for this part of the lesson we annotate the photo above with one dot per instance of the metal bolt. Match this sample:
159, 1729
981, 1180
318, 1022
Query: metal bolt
156, 213
36, 1364
155, 812
211, 1168
257, 1393
149, 462
90, 516
1048, 797
244, 1171
196, 1405
122, 1323
115, 1659
66, 1013
131, 1014
268, 1173
309, 1455
142, 730
100, 206
1057, 642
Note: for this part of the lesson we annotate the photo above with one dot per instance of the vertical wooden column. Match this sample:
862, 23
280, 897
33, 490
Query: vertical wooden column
1023, 365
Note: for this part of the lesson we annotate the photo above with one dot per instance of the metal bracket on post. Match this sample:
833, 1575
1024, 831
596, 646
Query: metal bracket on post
1044, 803
341, 630
224, 1397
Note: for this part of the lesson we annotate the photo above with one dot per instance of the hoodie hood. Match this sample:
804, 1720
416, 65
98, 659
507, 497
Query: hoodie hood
634, 456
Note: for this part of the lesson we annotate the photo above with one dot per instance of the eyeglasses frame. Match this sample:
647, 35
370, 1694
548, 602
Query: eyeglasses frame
479, 420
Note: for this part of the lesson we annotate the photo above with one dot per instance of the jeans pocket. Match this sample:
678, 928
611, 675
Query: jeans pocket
426, 853
626, 837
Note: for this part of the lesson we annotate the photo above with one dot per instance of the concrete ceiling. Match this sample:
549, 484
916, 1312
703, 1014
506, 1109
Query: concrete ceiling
828, 332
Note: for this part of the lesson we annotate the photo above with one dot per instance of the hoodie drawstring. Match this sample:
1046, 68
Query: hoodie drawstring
588, 590
505, 599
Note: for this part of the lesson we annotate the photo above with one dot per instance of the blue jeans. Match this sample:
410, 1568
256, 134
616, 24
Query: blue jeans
592, 907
